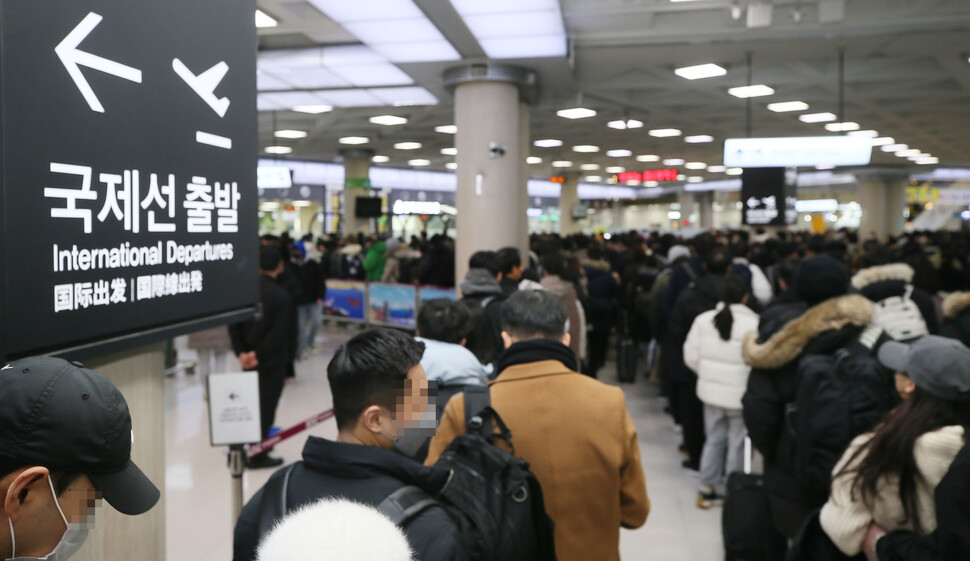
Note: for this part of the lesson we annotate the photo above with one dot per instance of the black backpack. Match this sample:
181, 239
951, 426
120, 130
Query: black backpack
496, 500
838, 398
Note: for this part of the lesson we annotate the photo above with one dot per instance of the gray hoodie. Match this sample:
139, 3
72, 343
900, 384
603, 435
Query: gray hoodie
451, 365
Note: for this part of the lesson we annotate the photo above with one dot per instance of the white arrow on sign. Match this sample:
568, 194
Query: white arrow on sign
753, 202
72, 58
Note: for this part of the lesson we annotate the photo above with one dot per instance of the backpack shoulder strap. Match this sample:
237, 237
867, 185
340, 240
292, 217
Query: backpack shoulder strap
477, 400
403, 505
273, 505
908, 295
690, 271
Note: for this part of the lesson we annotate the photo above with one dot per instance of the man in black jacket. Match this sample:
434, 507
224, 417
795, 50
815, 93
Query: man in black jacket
313, 286
380, 395
261, 343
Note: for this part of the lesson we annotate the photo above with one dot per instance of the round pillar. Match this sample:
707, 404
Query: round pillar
705, 209
883, 199
568, 197
357, 164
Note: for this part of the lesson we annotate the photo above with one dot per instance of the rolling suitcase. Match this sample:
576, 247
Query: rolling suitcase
626, 360
749, 534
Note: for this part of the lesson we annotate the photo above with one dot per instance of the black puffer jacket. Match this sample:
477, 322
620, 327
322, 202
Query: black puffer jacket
367, 475
956, 309
699, 297
886, 281
774, 356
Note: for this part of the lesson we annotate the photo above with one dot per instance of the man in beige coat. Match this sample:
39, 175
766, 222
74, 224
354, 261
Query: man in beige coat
574, 431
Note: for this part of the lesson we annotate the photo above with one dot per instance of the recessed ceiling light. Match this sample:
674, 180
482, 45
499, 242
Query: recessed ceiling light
661, 133
619, 153
894, 147
576, 113
674, 162
278, 150
562, 164
824, 167
354, 140
908, 152
817, 117
681, 177
883, 141
593, 178
757, 90
627, 124
699, 138
288, 133
733, 171
648, 158
313, 109
700, 71
925, 161
449, 151
694, 179
419, 163
548, 143
615, 169
447, 129
451, 165
380, 159
589, 167
265, 20
867, 134
533, 160
651, 183
921, 156
842, 127
632, 182
695, 165
716, 169
388, 120
407, 145
786, 106
586, 148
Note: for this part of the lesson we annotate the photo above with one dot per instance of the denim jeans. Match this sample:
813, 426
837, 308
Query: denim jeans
309, 317
724, 448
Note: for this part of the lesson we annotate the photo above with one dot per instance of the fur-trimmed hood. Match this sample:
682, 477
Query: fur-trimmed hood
785, 345
955, 304
891, 272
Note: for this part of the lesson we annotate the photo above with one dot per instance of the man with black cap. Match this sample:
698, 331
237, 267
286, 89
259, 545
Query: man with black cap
65, 441
261, 344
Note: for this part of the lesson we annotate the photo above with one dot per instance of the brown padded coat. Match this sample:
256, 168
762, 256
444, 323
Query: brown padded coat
581, 444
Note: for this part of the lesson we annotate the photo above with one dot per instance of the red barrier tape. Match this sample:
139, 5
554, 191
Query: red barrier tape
269, 443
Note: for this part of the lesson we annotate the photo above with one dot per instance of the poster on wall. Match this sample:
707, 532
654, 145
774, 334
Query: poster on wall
430, 293
392, 304
768, 196
128, 173
346, 300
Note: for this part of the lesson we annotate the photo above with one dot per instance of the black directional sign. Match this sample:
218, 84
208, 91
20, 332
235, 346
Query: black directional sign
769, 196
128, 209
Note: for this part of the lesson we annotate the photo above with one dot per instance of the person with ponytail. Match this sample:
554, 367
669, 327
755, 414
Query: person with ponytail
713, 351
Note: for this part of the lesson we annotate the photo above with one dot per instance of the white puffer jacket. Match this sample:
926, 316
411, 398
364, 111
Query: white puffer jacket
722, 375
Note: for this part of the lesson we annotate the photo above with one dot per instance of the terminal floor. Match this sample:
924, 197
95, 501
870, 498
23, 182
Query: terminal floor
198, 487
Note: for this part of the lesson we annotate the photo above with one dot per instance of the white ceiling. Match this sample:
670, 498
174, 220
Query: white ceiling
906, 69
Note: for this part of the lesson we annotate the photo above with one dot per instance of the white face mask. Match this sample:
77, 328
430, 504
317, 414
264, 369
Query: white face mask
70, 543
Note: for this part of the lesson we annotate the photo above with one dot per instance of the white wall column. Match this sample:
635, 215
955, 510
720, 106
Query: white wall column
357, 164
883, 199
705, 209
569, 196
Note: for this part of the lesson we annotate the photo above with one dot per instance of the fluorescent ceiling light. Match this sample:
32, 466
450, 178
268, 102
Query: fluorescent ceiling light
388, 120
538, 46
648, 158
419, 163
619, 153
716, 169
699, 138
447, 129
694, 179
354, 140
824, 167
674, 162
515, 29
700, 71
533, 160
867, 134
407, 145
589, 167
926, 161
377, 74
632, 182
278, 150
376, 31
343, 11
894, 147
817, 117
786, 106
576, 113
586, 148
695, 165
593, 178
733, 171
921, 156
651, 184
449, 151
264, 20
883, 141
548, 143
287, 133
661, 133
351, 98
757, 90
404, 96
313, 109
908, 152
380, 159
310, 77
627, 124
842, 127
425, 51
562, 164
615, 169
681, 177
451, 165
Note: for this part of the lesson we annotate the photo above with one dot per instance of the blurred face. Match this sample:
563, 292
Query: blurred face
30, 506
413, 408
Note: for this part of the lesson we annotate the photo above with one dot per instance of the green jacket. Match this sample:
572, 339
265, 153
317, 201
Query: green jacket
374, 261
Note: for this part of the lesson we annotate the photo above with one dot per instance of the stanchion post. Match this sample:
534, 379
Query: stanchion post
237, 465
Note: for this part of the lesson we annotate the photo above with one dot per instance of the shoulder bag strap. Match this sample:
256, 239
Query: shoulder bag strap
403, 505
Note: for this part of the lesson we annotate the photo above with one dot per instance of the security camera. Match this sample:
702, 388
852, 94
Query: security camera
496, 150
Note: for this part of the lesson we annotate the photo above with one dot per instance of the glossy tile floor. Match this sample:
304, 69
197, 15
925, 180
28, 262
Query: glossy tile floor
198, 485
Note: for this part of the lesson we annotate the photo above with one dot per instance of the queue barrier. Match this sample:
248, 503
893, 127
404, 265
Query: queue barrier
379, 304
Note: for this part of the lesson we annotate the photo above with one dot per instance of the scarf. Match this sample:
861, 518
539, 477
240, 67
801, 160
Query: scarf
537, 350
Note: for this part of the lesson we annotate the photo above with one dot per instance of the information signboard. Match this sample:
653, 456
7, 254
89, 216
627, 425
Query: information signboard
769, 196
128, 142
234, 416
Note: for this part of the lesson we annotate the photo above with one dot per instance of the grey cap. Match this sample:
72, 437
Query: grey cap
938, 365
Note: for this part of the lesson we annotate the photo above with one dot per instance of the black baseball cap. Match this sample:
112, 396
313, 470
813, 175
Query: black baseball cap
59, 415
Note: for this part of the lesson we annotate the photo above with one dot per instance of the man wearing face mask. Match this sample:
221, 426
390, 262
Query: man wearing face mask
381, 403
65, 441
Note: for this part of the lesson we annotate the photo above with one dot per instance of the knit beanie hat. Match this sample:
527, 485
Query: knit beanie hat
819, 278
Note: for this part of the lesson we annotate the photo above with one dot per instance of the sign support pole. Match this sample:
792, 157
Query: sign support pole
237, 466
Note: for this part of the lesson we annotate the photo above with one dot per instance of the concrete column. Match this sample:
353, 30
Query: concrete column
140, 375
705, 209
491, 198
569, 196
356, 184
619, 220
686, 201
525, 142
883, 199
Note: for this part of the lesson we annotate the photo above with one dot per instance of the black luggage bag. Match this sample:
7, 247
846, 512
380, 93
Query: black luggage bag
749, 534
626, 360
